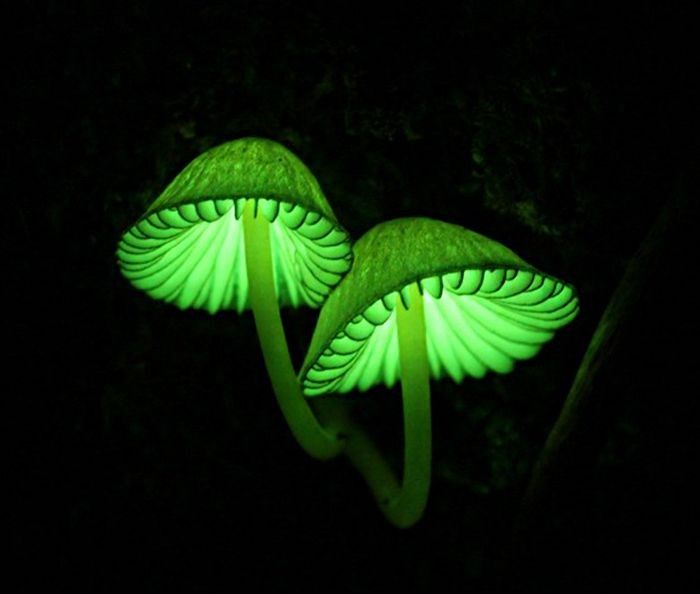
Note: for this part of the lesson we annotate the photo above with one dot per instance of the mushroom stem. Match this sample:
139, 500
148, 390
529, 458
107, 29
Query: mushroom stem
310, 435
402, 505
408, 507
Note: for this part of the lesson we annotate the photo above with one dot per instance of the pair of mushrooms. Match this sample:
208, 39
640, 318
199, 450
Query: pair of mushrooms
246, 226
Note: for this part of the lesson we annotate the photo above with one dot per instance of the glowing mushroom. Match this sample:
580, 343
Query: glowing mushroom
245, 225
427, 298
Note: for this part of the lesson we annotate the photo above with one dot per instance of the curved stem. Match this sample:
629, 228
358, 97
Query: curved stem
403, 506
361, 451
263, 300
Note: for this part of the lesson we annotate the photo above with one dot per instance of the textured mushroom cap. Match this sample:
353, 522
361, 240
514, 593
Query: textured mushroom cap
484, 306
188, 248
246, 168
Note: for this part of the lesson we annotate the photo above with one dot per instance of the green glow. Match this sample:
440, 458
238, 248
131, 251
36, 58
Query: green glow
485, 307
302, 422
245, 225
477, 321
406, 508
193, 255
426, 298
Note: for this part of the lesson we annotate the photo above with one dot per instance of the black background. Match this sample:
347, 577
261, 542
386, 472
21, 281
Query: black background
153, 457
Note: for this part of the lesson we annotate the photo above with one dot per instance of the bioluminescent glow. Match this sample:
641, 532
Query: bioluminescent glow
245, 225
476, 321
426, 299
193, 255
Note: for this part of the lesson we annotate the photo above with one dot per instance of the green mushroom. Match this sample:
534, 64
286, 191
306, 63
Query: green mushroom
245, 226
426, 299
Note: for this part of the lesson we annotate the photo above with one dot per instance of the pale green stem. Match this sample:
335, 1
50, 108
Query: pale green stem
261, 293
403, 506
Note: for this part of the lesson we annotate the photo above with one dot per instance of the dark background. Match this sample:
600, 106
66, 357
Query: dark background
153, 457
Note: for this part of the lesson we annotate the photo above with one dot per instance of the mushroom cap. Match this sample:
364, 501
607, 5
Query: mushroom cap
484, 306
188, 248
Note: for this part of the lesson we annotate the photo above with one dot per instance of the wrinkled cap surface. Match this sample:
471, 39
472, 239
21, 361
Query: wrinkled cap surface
188, 248
485, 307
